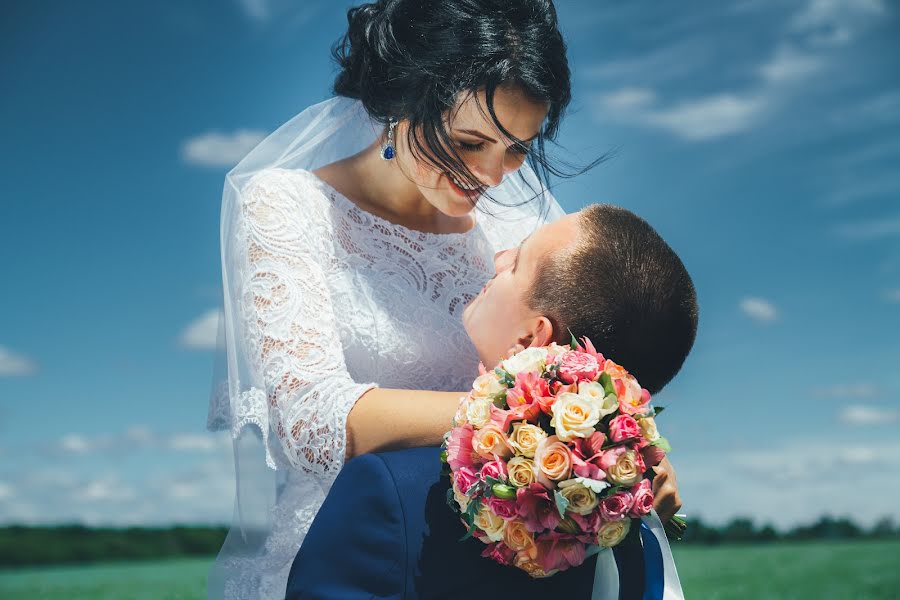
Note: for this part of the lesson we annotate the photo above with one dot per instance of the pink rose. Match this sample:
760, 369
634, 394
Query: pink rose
459, 448
495, 469
643, 499
624, 427
613, 508
537, 509
499, 552
575, 366
652, 455
464, 478
506, 509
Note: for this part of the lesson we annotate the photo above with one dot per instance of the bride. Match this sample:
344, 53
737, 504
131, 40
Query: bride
351, 243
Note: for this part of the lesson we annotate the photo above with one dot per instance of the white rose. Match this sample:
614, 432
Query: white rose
529, 359
478, 412
526, 437
461, 498
582, 500
593, 390
574, 416
490, 523
521, 471
487, 386
612, 533
648, 428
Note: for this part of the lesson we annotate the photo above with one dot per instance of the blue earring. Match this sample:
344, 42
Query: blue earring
388, 152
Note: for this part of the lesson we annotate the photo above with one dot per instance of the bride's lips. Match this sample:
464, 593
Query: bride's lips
470, 194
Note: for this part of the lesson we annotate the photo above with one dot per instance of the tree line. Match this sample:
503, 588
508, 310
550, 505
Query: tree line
25, 545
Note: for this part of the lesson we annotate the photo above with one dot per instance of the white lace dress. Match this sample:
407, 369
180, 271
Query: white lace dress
337, 301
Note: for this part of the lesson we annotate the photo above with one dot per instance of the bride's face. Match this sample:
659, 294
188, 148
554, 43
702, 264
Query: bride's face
500, 317
487, 153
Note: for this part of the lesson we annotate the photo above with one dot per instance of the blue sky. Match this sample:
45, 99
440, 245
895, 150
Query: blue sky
761, 139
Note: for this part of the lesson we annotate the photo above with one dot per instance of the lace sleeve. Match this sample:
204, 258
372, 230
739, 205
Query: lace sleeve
289, 323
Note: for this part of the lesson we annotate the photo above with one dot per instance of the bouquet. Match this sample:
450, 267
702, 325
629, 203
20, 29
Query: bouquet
549, 457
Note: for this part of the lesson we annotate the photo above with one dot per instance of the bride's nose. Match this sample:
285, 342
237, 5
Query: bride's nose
501, 260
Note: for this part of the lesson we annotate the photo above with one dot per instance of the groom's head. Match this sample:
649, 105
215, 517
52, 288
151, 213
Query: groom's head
603, 273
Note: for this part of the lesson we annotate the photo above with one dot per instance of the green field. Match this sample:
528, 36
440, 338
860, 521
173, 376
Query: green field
868, 570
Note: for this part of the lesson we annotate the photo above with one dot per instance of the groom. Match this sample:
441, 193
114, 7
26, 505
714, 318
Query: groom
385, 530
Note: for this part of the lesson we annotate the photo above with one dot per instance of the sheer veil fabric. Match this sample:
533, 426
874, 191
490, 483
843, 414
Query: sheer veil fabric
321, 134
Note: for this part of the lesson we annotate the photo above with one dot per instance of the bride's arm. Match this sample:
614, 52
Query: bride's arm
386, 419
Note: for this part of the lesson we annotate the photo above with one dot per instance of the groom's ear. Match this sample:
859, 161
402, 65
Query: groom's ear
540, 333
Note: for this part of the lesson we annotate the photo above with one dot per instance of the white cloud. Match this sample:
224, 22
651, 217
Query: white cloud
711, 117
258, 10
869, 230
788, 65
76, 444
759, 309
893, 295
215, 149
850, 391
792, 482
141, 438
795, 60
109, 489
193, 442
201, 332
12, 365
628, 99
865, 415
6, 491
836, 22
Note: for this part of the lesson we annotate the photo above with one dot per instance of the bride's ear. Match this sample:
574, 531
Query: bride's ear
540, 333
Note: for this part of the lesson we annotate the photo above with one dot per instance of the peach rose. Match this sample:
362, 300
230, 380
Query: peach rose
489, 442
517, 537
553, 459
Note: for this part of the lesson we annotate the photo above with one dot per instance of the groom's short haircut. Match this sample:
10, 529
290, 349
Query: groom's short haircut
622, 286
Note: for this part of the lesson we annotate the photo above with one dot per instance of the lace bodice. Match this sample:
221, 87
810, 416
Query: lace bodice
336, 300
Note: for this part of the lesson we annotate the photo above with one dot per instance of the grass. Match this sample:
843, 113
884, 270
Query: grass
867, 570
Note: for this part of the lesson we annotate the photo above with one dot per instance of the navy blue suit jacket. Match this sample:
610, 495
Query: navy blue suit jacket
385, 531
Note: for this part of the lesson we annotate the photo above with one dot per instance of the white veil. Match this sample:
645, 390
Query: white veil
321, 134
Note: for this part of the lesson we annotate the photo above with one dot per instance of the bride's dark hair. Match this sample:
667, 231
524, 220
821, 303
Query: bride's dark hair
412, 59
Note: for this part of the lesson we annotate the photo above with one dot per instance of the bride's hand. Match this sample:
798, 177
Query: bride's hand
666, 499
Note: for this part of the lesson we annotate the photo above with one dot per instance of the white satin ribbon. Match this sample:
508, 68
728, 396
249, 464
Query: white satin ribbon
606, 574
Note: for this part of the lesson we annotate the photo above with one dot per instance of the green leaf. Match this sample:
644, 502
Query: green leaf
561, 503
573, 343
663, 444
503, 491
444, 456
658, 409
606, 381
